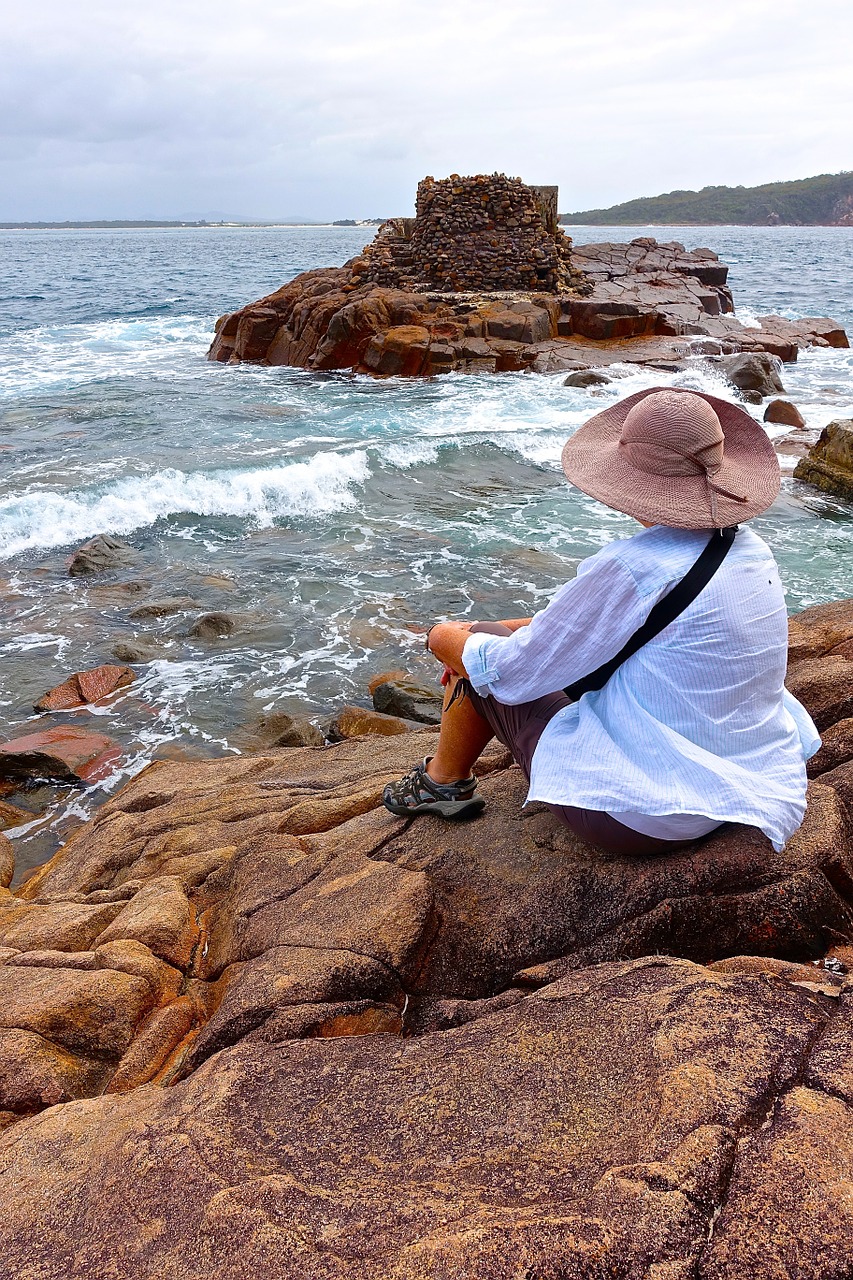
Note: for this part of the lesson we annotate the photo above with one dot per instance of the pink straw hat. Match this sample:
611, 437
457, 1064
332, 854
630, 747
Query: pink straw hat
675, 457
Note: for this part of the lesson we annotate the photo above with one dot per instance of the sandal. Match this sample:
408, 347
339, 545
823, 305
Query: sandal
418, 793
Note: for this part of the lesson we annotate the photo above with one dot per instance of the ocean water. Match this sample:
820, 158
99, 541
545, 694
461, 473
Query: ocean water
332, 516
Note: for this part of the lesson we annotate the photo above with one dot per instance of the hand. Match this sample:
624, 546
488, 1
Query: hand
445, 641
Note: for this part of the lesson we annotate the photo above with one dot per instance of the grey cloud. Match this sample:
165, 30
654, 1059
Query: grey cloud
337, 109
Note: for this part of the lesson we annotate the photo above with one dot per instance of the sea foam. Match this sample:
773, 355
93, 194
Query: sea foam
46, 518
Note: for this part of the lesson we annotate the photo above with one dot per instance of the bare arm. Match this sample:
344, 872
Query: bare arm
447, 640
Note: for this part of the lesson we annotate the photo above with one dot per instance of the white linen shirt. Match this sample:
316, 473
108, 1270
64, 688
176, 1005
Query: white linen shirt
697, 722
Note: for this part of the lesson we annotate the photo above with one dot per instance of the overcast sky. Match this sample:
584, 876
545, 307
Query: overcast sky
333, 109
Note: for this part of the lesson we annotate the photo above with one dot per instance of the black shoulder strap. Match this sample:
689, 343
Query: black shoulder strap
664, 612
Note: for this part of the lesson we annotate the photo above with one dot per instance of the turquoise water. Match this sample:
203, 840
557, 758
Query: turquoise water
331, 515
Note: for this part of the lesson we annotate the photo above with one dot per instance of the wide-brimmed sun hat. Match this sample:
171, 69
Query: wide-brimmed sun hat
675, 457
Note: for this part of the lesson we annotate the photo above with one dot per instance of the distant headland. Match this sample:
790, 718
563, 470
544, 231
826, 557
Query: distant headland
143, 224
823, 201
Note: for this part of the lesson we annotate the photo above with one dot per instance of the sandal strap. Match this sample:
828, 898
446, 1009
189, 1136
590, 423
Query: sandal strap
417, 787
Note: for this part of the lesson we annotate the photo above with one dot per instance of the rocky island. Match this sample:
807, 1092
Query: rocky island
484, 279
253, 1024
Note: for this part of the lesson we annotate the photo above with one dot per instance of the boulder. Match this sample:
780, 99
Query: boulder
587, 378
213, 626
353, 722
829, 465
757, 372
784, 412
819, 631
278, 729
100, 554
137, 651
85, 687
163, 608
836, 748
64, 753
409, 700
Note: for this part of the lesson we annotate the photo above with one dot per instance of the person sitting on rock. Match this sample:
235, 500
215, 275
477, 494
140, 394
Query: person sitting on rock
646, 703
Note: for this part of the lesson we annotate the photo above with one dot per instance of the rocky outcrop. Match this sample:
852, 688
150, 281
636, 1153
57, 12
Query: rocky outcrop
482, 280
829, 464
366, 1046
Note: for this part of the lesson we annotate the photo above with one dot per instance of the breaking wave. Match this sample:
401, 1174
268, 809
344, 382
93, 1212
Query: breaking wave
323, 484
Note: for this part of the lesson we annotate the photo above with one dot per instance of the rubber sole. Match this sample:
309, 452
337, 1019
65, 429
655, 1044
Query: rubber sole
443, 808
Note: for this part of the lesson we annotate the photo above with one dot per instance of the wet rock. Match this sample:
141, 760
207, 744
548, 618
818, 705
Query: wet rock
409, 700
100, 554
587, 378
84, 687
792, 446
213, 626
829, 465
401, 350
278, 729
382, 677
784, 412
163, 608
352, 722
12, 816
756, 372
64, 753
137, 651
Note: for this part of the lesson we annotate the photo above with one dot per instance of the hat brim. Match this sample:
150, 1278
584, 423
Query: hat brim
594, 463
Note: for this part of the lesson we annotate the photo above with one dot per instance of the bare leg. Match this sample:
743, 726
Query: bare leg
464, 734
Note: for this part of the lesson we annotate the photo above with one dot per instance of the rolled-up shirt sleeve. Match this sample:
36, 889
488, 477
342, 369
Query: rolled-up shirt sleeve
585, 624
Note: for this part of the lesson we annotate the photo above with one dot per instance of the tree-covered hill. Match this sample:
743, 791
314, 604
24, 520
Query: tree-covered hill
826, 200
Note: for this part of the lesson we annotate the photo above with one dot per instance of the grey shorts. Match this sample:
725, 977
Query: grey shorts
519, 728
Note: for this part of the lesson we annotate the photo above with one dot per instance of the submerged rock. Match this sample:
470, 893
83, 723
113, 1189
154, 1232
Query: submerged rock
829, 465
353, 722
100, 554
407, 699
214, 626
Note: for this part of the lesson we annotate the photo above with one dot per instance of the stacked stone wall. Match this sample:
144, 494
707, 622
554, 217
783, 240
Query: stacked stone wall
485, 233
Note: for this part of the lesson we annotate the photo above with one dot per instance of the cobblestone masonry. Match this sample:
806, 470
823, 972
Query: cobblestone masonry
480, 233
